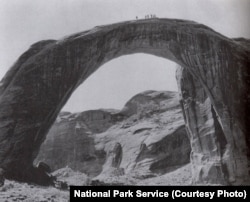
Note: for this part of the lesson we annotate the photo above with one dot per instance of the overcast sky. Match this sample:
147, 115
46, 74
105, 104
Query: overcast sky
24, 22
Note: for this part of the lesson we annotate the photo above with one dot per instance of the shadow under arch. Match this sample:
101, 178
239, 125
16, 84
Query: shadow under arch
38, 85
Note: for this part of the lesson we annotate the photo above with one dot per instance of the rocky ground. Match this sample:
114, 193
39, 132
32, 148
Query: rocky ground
16, 191
180, 176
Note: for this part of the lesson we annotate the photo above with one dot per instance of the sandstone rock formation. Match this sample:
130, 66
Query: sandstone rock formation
37, 86
70, 177
206, 135
70, 141
145, 138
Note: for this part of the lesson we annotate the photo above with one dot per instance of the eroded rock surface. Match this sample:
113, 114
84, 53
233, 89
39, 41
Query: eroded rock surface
38, 85
70, 141
147, 137
206, 135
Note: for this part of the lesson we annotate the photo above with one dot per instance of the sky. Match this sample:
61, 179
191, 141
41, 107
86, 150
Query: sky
24, 22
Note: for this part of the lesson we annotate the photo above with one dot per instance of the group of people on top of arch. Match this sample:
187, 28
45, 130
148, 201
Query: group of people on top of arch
148, 16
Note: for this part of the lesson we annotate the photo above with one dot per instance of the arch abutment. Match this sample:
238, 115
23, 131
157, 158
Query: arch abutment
206, 155
216, 157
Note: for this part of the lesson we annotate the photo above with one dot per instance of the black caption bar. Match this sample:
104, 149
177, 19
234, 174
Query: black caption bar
166, 193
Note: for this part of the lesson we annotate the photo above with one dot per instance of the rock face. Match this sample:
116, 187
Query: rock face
1, 177
70, 141
145, 138
206, 135
37, 86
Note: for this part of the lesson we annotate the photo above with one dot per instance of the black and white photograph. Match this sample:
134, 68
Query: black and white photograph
104, 93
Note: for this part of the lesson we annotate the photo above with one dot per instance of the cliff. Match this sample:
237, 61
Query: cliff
147, 137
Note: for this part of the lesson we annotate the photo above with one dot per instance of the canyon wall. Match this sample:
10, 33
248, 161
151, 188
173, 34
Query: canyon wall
146, 138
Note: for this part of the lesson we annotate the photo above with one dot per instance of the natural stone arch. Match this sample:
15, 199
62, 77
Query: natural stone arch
38, 85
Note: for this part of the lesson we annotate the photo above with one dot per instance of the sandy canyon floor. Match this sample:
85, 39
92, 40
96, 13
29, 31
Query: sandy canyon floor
16, 191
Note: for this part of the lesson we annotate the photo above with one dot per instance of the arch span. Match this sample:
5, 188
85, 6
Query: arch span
38, 85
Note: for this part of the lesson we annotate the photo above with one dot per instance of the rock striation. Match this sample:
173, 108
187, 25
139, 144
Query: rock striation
206, 135
37, 86
146, 138
70, 141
